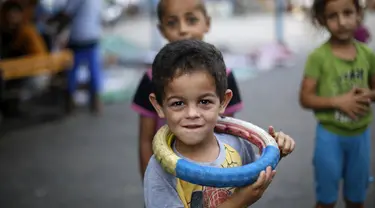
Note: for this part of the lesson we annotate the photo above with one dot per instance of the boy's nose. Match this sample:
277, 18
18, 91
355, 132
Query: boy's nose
183, 30
342, 20
192, 112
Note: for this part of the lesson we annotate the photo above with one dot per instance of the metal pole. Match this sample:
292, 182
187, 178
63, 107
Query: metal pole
279, 20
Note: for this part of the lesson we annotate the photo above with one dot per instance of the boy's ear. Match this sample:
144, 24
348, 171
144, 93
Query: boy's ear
161, 29
321, 21
227, 97
208, 23
157, 106
360, 17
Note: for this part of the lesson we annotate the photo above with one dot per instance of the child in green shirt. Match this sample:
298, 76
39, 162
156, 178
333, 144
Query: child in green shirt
338, 85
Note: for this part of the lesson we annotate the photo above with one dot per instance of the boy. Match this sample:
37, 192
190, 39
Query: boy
190, 93
178, 20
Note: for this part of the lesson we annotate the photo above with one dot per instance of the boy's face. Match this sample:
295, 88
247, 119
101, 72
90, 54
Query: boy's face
191, 107
341, 18
183, 19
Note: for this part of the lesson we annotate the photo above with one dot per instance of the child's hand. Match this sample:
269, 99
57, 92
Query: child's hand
353, 103
285, 142
366, 92
252, 193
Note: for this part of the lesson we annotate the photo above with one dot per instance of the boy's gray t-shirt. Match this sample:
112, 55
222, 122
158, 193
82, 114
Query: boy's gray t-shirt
163, 190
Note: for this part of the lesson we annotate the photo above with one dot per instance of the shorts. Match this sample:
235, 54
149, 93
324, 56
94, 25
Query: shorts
341, 157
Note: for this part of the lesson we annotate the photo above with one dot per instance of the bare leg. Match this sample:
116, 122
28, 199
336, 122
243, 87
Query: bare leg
354, 205
319, 205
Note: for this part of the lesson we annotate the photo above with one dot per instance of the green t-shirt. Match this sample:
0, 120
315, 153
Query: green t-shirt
336, 76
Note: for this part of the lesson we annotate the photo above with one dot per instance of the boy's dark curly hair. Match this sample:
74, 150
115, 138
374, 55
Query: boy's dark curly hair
184, 57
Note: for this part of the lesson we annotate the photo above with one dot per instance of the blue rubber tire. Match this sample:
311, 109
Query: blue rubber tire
227, 177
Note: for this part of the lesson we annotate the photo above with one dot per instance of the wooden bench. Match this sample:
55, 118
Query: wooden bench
29, 66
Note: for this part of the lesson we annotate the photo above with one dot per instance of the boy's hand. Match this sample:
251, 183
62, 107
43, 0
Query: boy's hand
285, 142
252, 193
353, 103
366, 92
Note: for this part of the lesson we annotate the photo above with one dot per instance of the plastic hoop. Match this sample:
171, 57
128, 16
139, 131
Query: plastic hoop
214, 176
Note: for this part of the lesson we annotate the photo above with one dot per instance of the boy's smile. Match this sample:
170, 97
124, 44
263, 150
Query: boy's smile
191, 107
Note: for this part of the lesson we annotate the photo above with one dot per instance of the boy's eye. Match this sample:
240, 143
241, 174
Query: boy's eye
171, 23
331, 16
205, 102
192, 20
348, 12
178, 103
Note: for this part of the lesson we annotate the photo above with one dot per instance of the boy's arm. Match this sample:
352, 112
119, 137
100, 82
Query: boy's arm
147, 121
312, 73
372, 87
309, 99
372, 75
370, 91
353, 103
147, 128
250, 194
235, 103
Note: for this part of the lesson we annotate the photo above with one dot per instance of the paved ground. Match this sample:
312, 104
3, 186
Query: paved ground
245, 33
92, 162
